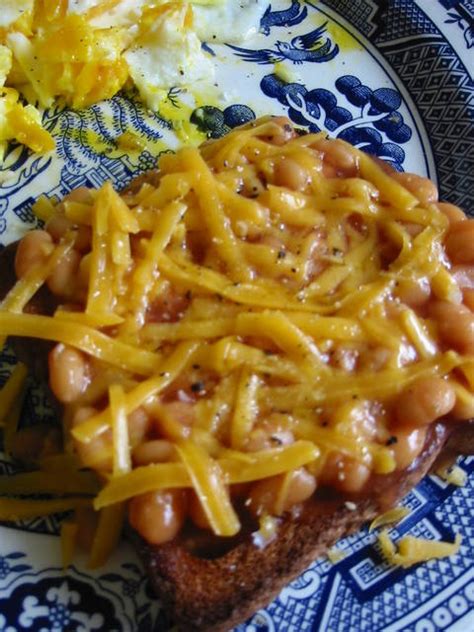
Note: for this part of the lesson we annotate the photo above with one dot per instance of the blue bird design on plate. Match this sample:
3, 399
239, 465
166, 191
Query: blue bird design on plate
302, 48
287, 17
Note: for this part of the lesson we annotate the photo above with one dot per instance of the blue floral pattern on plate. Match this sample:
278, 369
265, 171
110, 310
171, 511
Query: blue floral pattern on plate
391, 77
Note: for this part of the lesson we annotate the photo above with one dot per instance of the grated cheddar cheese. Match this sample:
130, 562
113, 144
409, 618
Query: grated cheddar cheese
413, 550
258, 320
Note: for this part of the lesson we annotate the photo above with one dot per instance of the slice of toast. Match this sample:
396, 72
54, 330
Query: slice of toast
217, 591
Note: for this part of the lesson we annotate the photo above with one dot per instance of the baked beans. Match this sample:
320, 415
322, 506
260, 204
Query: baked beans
452, 212
422, 188
62, 280
338, 158
196, 512
97, 453
468, 298
344, 473
155, 451
288, 173
455, 325
68, 373
272, 432
33, 250
460, 242
407, 445
59, 225
82, 195
424, 401
413, 292
84, 272
278, 494
139, 423
158, 516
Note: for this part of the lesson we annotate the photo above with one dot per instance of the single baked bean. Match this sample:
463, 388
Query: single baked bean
329, 171
158, 516
339, 156
263, 495
408, 445
62, 280
196, 512
302, 486
413, 292
83, 240
412, 228
422, 188
83, 273
459, 242
156, 451
288, 173
139, 422
344, 473
83, 414
97, 453
58, 225
464, 277
455, 325
33, 250
452, 212
83, 195
68, 373
424, 401
283, 134
270, 433
276, 494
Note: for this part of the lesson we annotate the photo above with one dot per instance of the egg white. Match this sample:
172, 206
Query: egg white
231, 21
167, 54
5, 63
11, 10
125, 14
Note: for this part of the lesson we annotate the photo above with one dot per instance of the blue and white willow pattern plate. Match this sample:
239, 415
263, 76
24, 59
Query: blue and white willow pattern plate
394, 78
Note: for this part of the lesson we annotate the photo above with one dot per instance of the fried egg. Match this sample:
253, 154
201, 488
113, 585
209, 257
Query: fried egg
12, 10
125, 13
166, 54
231, 21
84, 51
